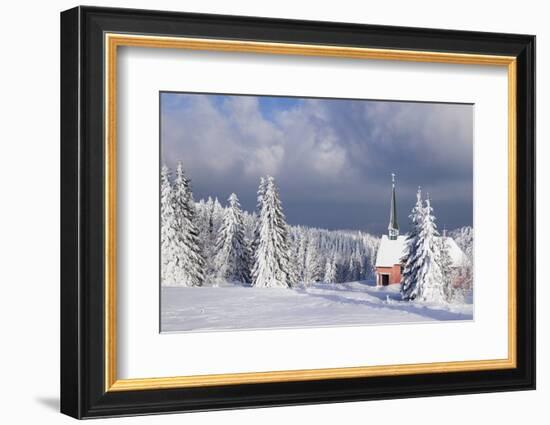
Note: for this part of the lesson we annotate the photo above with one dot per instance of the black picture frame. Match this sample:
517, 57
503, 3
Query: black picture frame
83, 392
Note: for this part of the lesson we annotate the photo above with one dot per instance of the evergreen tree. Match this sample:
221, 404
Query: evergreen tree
232, 256
354, 267
446, 265
330, 271
202, 220
313, 270
272, 253
429, 285
210, 214
250, 220
409, 276
293, 260
189, 260
217, 217
260, 194
205, 211
301, 251
209, 236
167, 228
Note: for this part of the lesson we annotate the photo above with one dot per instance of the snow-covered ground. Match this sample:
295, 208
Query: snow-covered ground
244, 307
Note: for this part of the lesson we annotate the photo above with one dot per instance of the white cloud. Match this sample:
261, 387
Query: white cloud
235, 135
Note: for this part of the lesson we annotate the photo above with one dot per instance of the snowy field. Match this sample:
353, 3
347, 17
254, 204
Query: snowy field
243, 307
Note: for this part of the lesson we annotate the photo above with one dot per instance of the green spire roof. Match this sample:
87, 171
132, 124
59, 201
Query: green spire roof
393, 227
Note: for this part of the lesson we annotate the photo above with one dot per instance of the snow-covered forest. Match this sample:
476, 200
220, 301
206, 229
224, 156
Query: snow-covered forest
205, 243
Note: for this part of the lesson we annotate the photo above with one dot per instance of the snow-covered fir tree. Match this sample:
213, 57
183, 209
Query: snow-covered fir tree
313, 266
293, 267
446, 265
189, 261
206, 235
330, 271
167, 230
232, 261
209, 219
429, 284
411, 266
300, 237
249, 222
282, 231
294, 242
271, 259
355, 267
259, 203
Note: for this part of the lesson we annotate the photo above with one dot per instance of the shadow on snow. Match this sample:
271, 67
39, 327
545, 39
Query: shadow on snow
389, 299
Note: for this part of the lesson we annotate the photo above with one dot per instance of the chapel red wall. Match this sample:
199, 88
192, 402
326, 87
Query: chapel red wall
394, 272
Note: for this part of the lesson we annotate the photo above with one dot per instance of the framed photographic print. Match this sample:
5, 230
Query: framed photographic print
261, 212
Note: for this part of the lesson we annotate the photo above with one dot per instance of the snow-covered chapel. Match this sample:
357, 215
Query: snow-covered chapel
389, 259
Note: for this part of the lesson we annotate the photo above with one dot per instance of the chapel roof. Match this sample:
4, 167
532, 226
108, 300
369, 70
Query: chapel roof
391, 251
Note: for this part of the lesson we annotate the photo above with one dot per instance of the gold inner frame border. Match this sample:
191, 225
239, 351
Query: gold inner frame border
111, 43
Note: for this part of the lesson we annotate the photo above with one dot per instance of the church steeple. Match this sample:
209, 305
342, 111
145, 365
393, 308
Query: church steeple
393, 227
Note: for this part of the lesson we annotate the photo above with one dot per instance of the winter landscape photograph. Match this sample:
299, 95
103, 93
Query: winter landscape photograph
289, 212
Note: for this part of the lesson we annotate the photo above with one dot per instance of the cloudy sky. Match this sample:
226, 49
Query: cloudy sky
332, 158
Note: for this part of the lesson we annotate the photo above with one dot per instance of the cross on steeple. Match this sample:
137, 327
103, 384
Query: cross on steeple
393, 227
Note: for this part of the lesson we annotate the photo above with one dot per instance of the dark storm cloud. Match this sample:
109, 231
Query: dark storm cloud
332, 159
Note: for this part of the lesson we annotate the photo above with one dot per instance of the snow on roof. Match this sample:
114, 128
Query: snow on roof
454, 251
391, 251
